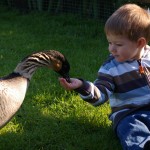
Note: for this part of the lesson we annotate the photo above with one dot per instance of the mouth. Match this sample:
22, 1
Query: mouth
116, 56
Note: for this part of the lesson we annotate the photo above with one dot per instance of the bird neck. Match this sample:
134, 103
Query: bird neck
25, 70
10, 76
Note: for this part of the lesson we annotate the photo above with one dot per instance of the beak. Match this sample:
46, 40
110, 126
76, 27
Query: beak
66, 76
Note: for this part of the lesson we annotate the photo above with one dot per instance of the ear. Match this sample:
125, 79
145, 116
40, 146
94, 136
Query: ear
141, 42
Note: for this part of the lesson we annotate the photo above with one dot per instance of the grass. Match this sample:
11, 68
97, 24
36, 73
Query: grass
50, 117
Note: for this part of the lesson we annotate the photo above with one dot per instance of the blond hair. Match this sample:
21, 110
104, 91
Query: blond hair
131, 21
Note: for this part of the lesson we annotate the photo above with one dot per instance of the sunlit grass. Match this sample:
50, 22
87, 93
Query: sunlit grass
50, 117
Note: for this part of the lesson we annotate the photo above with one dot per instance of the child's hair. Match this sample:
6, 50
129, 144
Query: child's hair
130, 21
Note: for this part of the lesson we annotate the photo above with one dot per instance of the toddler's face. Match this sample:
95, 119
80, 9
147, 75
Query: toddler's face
122, 48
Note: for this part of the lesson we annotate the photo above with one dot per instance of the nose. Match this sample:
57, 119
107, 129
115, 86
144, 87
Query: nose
112, 48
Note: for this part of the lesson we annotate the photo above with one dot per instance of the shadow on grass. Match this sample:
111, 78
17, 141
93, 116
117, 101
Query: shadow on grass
51, 133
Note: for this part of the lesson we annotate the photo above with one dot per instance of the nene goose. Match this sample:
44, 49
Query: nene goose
14, 86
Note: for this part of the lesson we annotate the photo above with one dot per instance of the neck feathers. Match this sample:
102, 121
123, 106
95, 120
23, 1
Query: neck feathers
26, 71
29, 64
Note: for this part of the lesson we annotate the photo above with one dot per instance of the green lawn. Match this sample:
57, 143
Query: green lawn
50, 117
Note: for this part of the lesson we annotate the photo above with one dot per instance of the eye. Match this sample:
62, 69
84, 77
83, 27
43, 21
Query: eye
118, 44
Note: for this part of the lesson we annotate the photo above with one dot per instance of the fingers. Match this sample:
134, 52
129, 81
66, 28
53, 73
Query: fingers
74, 84
65, 84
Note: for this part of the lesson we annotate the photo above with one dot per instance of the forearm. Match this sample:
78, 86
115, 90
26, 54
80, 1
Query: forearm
90, 93
87, 90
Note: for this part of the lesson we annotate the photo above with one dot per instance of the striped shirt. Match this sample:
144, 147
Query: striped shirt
125, 84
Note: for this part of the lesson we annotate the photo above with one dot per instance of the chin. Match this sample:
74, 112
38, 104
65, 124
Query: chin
119, 60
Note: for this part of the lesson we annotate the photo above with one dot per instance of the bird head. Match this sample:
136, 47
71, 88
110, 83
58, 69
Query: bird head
59, 63
52, 59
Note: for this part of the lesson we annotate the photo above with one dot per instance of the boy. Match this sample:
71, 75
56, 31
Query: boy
124, 79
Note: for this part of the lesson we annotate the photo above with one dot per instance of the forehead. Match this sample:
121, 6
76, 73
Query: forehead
112, 37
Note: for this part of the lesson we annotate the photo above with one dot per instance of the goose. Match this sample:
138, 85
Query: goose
13, 87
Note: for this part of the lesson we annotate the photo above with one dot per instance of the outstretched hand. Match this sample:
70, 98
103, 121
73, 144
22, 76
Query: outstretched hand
75, 83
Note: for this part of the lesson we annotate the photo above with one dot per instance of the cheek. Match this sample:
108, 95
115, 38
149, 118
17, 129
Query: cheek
126, 54
121, 51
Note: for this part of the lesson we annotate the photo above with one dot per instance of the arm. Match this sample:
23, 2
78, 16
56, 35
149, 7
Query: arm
98, 92
87, 90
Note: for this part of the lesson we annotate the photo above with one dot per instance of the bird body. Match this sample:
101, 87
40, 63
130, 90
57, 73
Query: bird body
13, 87
12, 94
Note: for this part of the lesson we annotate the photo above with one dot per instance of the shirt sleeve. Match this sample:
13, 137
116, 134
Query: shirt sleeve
98, 92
